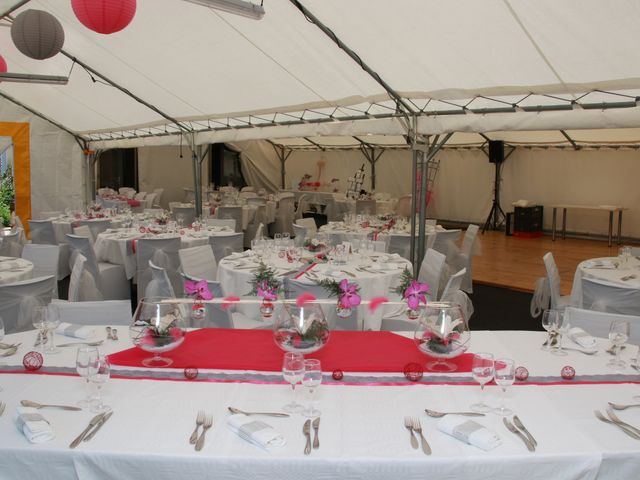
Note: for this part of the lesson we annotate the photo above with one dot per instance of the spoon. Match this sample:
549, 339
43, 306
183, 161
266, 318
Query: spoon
266, 414
9, 351
29, 403
108, 329
618, 406
436, 414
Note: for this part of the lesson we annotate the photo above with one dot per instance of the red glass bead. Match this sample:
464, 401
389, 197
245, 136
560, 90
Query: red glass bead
522, 374
190, 373
337, 375
413, 371
32, 361
568, 372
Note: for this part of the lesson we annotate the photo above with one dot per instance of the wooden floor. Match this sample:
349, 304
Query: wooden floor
516, 263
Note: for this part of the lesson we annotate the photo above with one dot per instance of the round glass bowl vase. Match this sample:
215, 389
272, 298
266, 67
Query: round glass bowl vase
301, 329
158, 327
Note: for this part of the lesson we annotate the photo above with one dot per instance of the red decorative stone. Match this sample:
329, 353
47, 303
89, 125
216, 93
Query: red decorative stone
568, 372
190, 373
32, 361
337, 374
413, 372
522, 374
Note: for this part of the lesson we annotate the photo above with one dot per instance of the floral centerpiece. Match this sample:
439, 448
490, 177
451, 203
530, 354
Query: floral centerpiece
346, 292
265, 284
413, 292
163, 218
314, 245
199, 291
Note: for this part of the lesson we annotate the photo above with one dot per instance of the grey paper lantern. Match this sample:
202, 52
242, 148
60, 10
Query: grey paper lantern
37, 34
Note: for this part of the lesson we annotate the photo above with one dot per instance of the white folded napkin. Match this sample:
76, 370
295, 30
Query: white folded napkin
75, 331
582, 338
602, 263
469, 431
255, 431
34, 426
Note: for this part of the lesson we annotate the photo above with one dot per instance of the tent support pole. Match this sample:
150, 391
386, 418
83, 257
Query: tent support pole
196, 153
282, 153
91, 158
369, 153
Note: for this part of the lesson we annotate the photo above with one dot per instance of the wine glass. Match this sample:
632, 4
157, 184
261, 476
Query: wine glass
311, 381
39, 315
99, 373
84, 356
293, 371
548, 321
482, 370
180, 219
618, 334
505, 374
561, 326
51, 322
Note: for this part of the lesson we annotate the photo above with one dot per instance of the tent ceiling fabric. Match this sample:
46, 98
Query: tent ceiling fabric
460, 64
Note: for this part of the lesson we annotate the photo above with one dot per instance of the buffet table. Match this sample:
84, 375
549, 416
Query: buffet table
362, 434
607, 208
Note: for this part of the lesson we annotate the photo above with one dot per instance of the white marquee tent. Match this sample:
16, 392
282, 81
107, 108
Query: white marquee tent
325, 72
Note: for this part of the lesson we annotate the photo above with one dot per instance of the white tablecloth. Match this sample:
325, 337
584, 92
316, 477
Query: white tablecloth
14, 270
600, 269
362, 434
64, 225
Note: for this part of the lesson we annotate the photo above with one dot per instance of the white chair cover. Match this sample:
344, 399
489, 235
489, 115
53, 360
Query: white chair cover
45, 261
597, 323
224, 245
159, 285
219, 222
300, 233
400, 244
19, 300
433, 265
11, 244
42, 232
149, 200
609, 297
199, 262
310, 224
445, 242
403, 206
163, 252
82, 285
453, 285
231, 213
84, 231
96, 226
558, 302
465, 257
303, 206
107, 312
248, 195
140, 195
158, 199
49, 215
540, 298
188, 213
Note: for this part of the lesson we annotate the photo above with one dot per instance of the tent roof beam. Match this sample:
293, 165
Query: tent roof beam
571, 140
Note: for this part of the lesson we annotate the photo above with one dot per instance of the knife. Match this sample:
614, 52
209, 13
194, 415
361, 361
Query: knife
94, 421
102, 421
316, 426
306, 430
518, 423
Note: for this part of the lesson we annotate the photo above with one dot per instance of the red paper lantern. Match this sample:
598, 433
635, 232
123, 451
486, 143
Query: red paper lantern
3, 64
104, 16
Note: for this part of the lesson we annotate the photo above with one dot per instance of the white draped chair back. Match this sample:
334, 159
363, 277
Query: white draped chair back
465, 258
163, 252
382, 244
453, 285
11, 244
159, 285
19, 300
400, 244
199, 262
107, 312
558, 302
433, 265
234, 213
224, 245
303, 206
45, 260
49, 215
609, 297
310, 224
84, 231
140, 195
82, 284
188, 214
300, 233
445, 242
220, 222
403, 206
42, 232
257, 223
597, 323
96, 227
149, 200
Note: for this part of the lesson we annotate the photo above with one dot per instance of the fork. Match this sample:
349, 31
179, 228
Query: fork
417, 426
208, 423
616, 419
199, 422
409, 426
604, 419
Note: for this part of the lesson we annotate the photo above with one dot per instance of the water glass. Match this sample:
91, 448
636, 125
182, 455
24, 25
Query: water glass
311, 381
51, 322
549, 320
482, 370
561, 327
293, 372
84, 356
505, 375
99, 373
38, 319
624, 255
618, 334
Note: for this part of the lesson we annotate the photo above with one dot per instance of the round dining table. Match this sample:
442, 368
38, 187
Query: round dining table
607, 269
14, 269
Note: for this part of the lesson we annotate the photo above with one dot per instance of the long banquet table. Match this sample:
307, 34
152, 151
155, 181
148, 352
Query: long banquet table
361, 434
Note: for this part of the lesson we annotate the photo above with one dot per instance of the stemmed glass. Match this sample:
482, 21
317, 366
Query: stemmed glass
561, 326
312, 380
293, 372
482, 370
505, 374
84, 356
548, 321
618, 334
99, 373
51, 322
38, 321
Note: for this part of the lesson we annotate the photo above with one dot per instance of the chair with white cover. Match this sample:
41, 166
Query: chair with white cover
257, 223
609, 297
49, 215
400, 244
303, 206
597, 323
42, 232
11, 244
19, 300
221, 222
83, 231
433, 265
82, 284
110, 279
188, 214
149, 200
96, 226
163, 252
558, 302
445, 242
464, 259
158, 199
248, 195
107, 312
453, 285
234, 212
159, 285
140, 196
199, 262
45, 259
366, 207
224, 245
300, 233
403, 206
310, 224
285, 214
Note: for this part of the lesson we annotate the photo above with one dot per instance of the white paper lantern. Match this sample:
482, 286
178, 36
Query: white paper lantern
37, 34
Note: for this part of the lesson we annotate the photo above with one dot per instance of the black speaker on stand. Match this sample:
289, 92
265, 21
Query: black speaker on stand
496, 215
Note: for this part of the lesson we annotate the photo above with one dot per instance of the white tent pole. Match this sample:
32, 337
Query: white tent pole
283, 154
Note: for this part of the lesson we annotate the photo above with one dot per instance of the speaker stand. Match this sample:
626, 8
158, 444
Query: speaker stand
496, 216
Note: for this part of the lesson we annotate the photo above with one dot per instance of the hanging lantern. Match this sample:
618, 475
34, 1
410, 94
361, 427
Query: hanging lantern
104, 16
37, 34
3, 64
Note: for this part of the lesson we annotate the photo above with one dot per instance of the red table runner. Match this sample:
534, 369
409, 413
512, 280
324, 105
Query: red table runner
230, 349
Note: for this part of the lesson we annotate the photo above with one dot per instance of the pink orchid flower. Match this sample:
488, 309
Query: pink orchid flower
198, 289
265, 292
349, 296
415, 294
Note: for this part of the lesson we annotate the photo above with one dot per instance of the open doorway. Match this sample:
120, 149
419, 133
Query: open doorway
118, 168
7, 186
